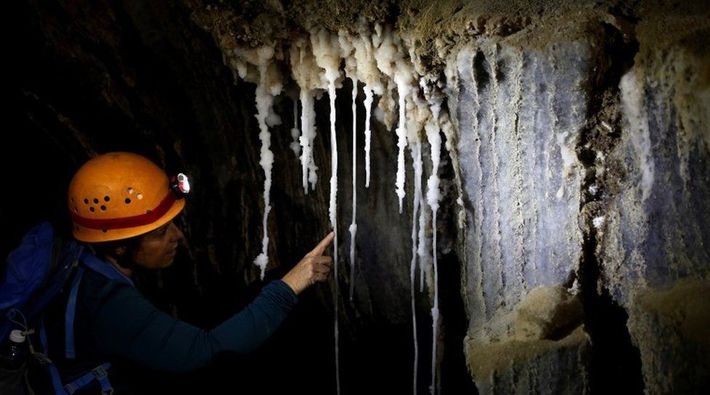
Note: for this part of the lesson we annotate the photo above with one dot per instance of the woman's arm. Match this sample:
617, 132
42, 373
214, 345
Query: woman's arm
129, 326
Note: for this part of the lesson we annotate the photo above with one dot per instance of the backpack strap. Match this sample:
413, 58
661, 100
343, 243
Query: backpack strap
98, 373
70, 351
53, 371
107, 270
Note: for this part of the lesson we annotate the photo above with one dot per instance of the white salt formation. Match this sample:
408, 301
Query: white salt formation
268, 86
347, 48
416, 151
366, 70
419, 116
433, 197
368, 133
327, 54
382, 62
391, 62
353, 224
305, 73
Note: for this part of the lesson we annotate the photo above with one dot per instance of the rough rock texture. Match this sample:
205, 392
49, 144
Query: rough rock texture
670, 326
574, 234
520, 113
540, 347
657, 229
518, 124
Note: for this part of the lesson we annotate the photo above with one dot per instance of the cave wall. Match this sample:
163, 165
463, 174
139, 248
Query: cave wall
574, 226
654, 244
584, 164
520, 114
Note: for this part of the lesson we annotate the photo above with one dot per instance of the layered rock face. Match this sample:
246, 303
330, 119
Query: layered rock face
574, 221
588, 171
520, 115
654, 244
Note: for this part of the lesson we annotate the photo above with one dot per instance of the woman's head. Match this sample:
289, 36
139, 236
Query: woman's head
124, 205
157, 249
153, 250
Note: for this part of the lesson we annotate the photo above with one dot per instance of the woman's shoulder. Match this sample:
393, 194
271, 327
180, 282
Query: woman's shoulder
97, 289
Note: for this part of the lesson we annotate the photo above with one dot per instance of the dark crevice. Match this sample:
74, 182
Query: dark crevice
480, 70
615, 363
454, 377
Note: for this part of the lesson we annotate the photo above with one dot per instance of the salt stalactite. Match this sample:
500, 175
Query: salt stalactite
353, 224
305, 73
433, 196
346, 49
368, 133
295, 132
267, 87
327, 54
367, 71
308, 134
419, 113
422, 245
381, 61
432, 104
416, 150
403, 90
391, 62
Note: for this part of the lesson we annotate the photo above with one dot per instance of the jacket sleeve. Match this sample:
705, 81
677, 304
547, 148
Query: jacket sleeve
127, 325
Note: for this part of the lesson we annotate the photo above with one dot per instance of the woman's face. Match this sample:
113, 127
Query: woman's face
157, 249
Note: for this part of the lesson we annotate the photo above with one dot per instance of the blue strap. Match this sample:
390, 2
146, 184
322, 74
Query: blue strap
70, 350
102, 377
100, 267
106, 269
99, 374
65, 260
53, 372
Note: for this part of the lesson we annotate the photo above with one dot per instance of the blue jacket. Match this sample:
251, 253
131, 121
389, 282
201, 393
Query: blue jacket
116, 323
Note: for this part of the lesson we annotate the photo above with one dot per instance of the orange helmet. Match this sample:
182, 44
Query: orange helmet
120, 195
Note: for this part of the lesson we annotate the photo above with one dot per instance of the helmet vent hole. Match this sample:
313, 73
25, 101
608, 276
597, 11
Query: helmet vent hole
148, 211
106, 198
128, 200
96, 200
92, 209
104, 230
103, 208
139, 196
86, 201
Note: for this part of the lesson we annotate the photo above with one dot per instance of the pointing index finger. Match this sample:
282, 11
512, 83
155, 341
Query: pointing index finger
320, 248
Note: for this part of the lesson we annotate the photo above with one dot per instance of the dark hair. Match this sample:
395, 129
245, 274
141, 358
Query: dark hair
108, 249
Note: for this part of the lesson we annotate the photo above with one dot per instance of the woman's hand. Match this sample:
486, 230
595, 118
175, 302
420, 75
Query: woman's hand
313, 267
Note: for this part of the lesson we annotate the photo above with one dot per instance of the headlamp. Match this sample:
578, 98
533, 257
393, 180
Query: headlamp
180, 185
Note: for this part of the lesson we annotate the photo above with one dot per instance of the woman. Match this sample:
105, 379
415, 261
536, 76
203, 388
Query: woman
122, 206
